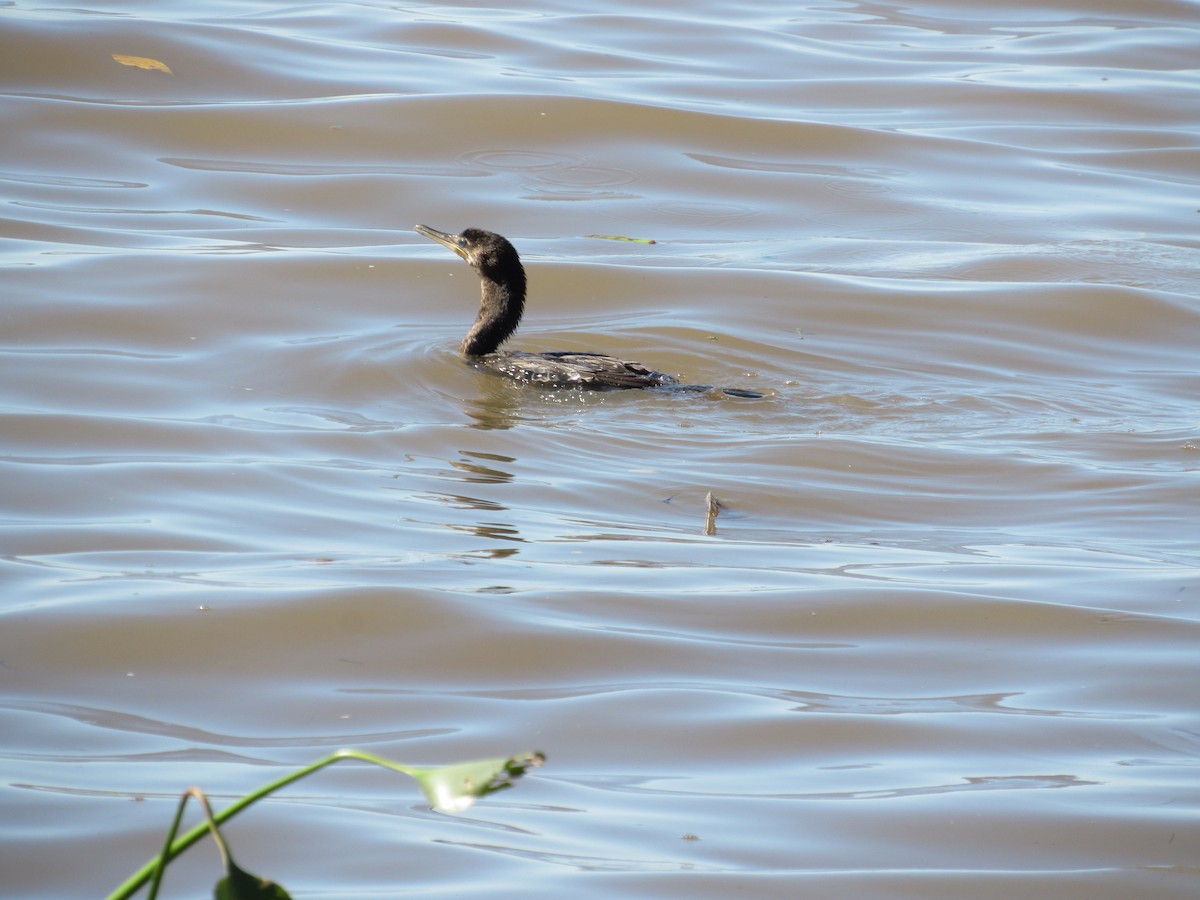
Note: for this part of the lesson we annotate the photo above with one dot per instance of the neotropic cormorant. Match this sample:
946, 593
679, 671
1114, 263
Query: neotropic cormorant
502, 285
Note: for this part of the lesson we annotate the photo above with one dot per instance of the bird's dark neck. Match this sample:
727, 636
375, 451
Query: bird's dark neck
500, 307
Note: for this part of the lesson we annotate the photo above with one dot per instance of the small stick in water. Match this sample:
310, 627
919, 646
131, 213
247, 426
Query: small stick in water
714, 508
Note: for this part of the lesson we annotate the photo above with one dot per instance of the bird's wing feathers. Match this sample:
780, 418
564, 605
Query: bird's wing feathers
567, 368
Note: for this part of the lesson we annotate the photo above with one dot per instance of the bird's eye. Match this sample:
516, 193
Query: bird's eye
462, 242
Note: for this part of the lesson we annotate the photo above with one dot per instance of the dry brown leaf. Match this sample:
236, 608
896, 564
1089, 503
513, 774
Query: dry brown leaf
142, 62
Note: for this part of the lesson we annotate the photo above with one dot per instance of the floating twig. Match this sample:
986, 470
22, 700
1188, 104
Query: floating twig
710, 519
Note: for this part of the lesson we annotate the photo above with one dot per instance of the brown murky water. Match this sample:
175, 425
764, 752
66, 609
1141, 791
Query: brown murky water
945, 639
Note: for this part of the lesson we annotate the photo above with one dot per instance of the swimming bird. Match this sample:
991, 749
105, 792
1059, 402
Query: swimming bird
501, 304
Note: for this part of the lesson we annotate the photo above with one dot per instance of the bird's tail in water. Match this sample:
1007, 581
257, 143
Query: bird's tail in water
705, 388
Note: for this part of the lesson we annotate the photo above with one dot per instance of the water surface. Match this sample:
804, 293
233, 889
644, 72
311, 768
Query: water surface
944, 639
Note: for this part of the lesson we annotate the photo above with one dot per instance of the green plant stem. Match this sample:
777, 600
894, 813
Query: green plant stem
177, 846
160, 863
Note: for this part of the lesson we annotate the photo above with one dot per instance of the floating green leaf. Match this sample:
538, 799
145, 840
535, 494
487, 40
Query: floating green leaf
143, 62
618, 237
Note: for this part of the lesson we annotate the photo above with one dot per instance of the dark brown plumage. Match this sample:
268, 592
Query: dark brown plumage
501, 304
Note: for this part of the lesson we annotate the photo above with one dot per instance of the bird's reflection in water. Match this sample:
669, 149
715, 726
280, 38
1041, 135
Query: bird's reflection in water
476, 467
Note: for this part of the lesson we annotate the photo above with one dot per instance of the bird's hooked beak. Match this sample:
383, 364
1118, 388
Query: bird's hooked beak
453, 241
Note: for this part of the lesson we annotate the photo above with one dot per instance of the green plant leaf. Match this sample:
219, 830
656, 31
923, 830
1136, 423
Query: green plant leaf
456, 788
241, 885
450, 788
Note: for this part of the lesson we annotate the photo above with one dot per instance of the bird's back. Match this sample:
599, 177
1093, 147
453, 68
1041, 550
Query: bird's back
569, 369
